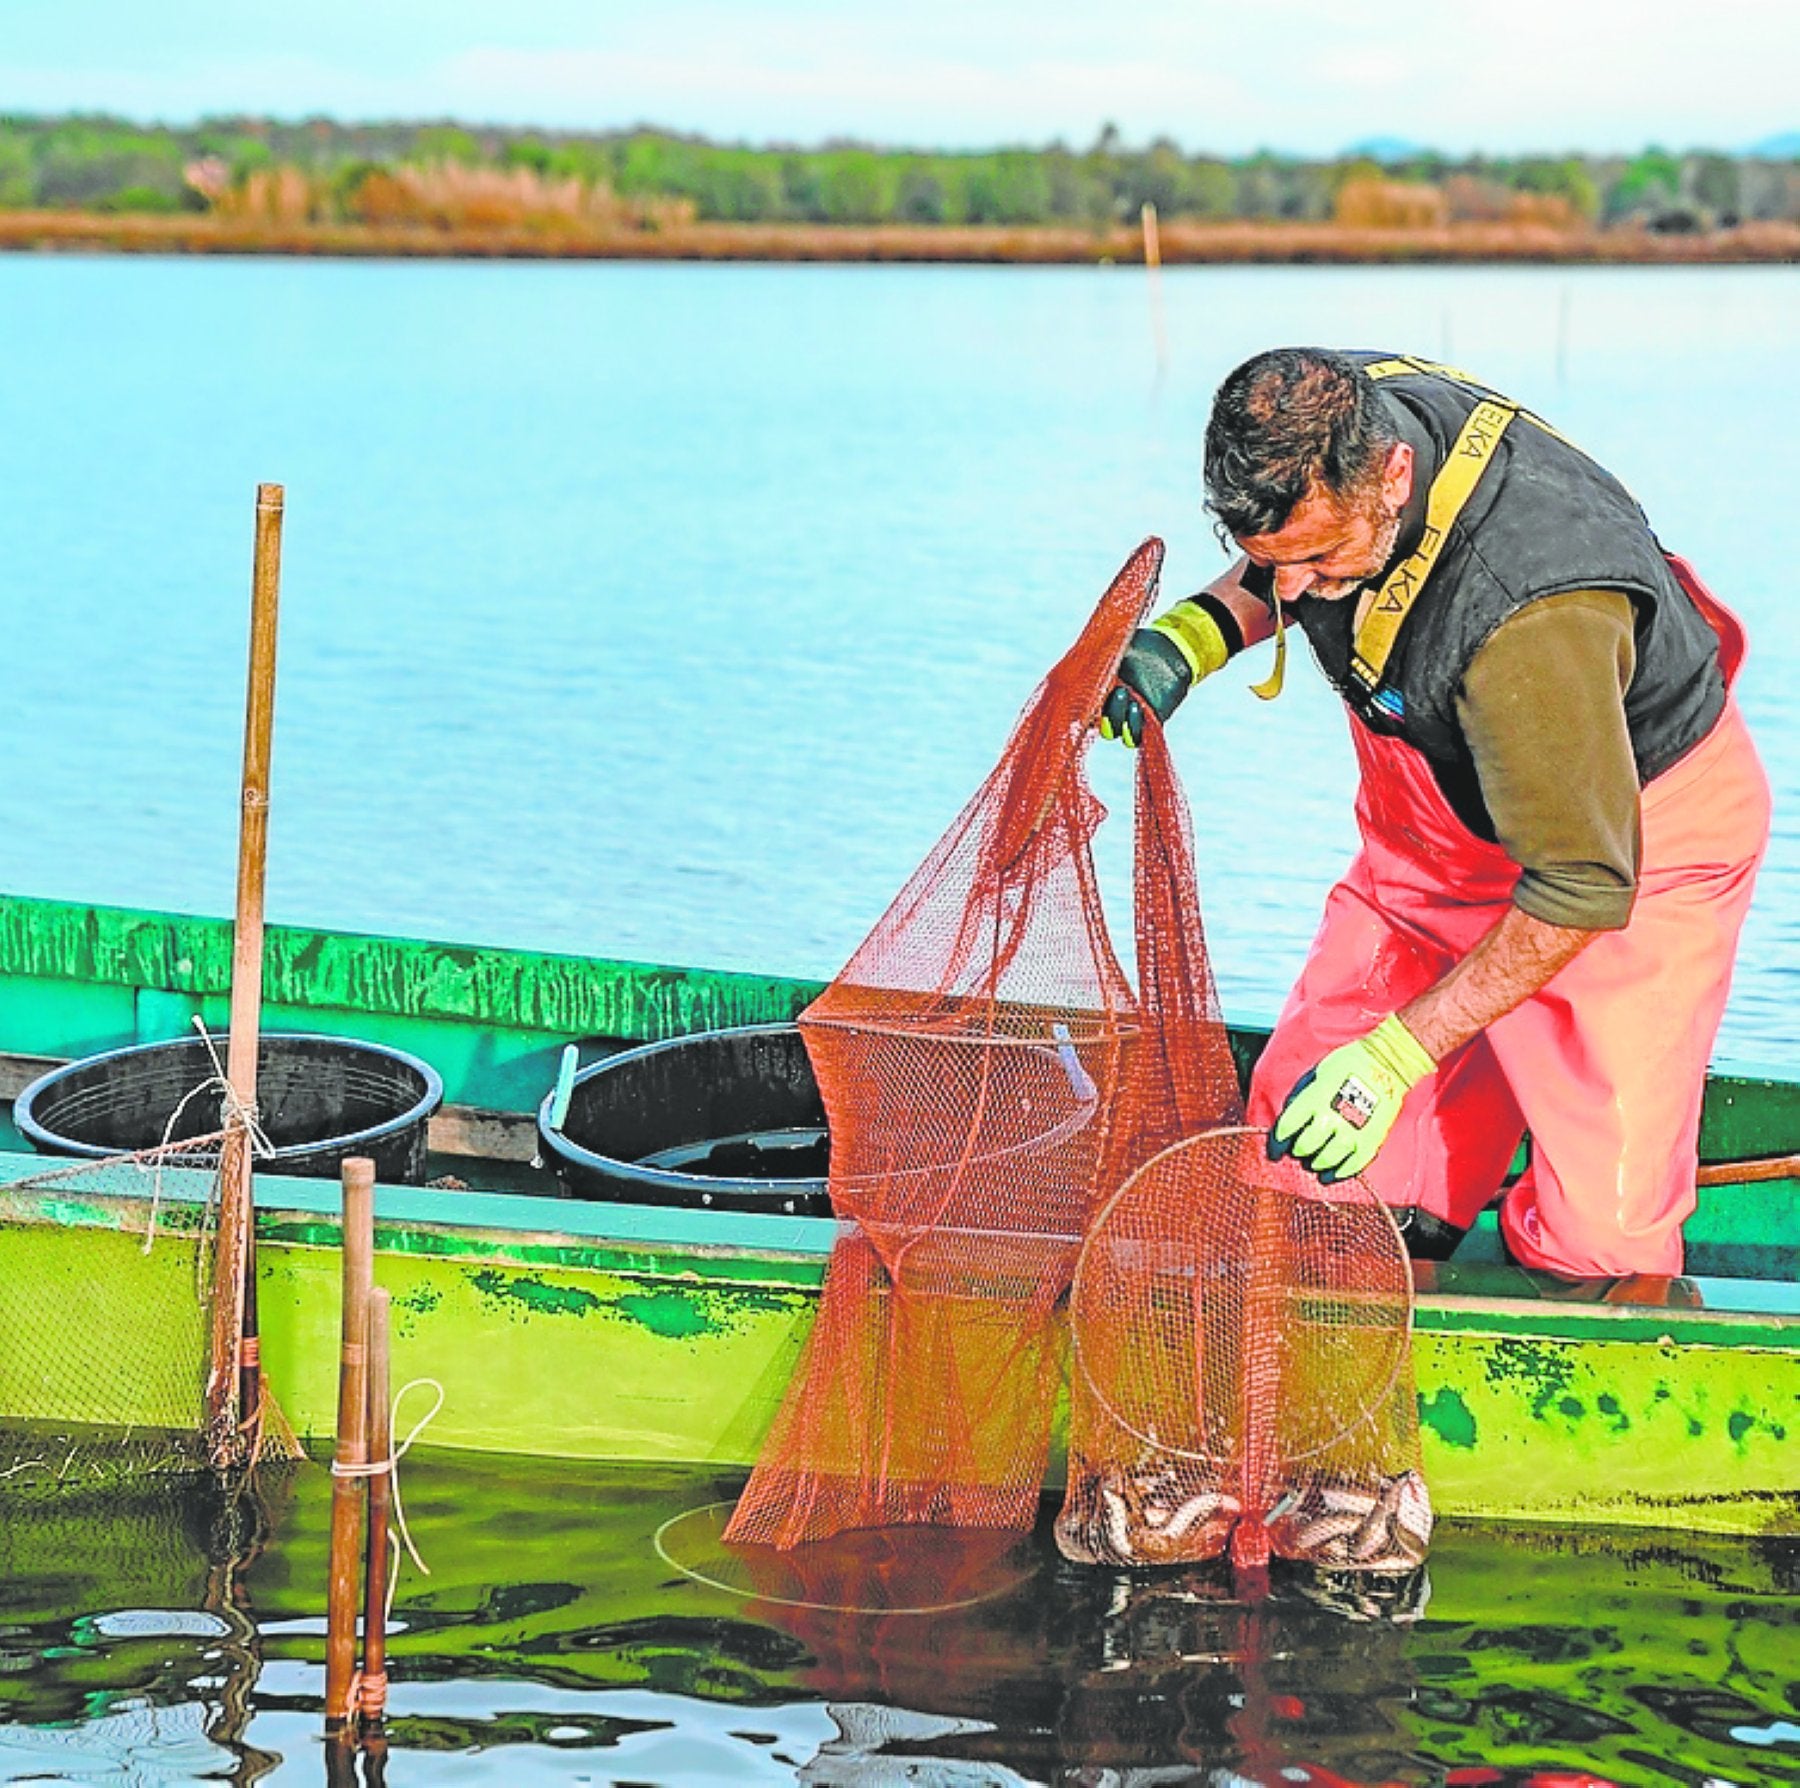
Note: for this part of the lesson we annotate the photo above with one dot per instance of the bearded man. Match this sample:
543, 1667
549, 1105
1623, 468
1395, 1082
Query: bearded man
1561, 812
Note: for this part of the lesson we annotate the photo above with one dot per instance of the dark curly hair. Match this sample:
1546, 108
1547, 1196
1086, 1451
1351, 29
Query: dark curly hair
1285, 421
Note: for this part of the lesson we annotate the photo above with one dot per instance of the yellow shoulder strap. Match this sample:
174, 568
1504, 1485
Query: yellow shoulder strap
1411, 363
1471, 453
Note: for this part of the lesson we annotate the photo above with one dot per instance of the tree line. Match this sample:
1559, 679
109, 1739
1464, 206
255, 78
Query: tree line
446, 172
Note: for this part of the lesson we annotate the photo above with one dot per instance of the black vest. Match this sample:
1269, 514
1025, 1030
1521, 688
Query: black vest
1543, 518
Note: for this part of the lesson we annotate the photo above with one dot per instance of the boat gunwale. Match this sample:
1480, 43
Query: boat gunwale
664, 1242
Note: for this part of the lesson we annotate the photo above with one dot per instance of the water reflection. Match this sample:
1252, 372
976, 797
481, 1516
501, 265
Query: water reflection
131, 1655
166, 1639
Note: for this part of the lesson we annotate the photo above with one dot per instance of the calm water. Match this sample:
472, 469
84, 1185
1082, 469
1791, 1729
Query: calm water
671, 612
153, 1641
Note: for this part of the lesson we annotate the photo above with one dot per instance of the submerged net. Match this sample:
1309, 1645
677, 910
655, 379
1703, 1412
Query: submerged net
987, 1072
1242, 1339
107, 1270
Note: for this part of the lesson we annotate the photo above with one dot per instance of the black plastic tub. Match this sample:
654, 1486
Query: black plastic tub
322, 1099
730, 1120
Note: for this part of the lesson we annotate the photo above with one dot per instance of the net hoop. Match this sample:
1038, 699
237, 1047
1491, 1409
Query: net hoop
923, 1173
1078, 1324
719, 1512
1123, 1031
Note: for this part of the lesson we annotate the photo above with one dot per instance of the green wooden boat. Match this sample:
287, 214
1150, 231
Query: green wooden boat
587, 1330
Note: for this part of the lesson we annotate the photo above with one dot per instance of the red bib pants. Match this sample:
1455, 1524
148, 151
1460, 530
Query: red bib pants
1605, 1065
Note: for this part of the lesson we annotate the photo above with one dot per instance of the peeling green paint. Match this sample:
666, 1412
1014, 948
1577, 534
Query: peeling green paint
1543, 1370
1573, 1408
531, 1249
300, 1232
67, 1211
421, 1300
563, 995
674, 1315
536, 1297
763, 1298
1610, 1407
1738, 1425
1448, 1417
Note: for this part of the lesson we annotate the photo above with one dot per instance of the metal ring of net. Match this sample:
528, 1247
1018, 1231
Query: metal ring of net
1204, 1245
894, 1570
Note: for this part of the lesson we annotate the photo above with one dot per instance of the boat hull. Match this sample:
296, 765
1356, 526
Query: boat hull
655, 1336
592, 1331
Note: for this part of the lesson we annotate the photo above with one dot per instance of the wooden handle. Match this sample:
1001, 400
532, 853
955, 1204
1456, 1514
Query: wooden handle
1744, 1173
253, 825
234, 1318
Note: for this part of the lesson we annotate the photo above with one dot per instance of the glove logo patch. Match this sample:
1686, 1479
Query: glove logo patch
1353, 1102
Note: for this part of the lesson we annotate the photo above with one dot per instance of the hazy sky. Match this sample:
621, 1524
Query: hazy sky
1305, 75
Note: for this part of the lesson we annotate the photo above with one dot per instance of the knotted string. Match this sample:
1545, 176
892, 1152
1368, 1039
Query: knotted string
233, 1113
390, 1468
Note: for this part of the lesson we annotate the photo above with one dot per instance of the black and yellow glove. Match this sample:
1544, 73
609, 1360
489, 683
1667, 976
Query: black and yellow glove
1198, 636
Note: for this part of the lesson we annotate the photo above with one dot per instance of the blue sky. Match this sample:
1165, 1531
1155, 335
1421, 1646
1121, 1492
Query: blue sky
1304, 75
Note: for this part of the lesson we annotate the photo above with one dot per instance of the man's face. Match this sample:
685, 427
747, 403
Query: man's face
1330, 546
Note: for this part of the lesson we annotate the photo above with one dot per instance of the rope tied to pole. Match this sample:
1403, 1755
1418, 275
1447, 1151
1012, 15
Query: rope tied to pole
389, 1468
234, 1114
366, 1691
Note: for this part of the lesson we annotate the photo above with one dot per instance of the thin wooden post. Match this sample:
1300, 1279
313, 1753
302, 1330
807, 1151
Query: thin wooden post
340, 1760
347, 1485
1152, 239
236, 1347
380, 1447
1159, 334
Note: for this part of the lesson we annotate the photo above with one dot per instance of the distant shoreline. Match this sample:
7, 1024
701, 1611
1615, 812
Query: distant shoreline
1183, 243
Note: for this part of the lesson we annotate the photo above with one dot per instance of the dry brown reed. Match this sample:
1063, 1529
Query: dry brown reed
644, 235
1367, 203
448, 196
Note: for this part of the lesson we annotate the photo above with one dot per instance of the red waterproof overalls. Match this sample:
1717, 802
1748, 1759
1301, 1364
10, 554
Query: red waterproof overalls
1605, 1065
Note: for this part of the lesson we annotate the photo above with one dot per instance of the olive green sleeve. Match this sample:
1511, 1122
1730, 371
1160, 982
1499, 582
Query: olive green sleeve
1542, 706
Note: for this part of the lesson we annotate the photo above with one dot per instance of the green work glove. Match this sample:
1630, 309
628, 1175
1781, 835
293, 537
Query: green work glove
1338, 1116
1164, 661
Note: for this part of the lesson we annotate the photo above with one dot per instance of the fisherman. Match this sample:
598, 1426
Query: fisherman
1561, 812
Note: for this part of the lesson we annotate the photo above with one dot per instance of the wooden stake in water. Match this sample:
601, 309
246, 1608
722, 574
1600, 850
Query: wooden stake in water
1153, 273
235, 1370
344, 1594
373, 1698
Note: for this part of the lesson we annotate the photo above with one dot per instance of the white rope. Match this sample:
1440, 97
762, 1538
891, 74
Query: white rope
233, 1113
390, 1468
232, 1109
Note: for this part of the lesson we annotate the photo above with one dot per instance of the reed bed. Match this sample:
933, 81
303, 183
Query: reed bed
671, 234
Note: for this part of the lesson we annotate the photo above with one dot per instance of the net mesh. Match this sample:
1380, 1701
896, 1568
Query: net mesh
106, 1280
985, 1067
1242, 1340
1002, 1105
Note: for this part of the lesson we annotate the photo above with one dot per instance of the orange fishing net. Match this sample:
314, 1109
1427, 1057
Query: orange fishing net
990, 1080
1242, 1341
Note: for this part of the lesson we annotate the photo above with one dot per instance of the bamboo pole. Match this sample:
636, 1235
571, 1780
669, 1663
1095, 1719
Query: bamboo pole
380, 1447
235, 1336
340, 1761
347, 1484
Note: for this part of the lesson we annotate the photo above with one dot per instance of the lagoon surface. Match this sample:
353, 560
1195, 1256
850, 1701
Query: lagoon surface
562, 1638
671, 612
